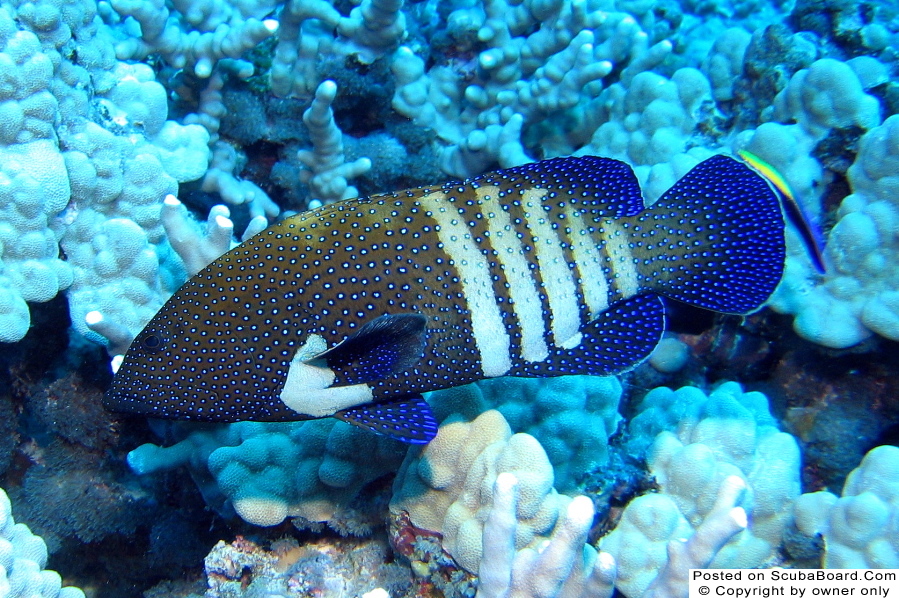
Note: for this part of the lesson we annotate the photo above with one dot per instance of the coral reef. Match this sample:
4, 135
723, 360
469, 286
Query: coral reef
311, 469
656, 546
562, 566
140, 139
858, 527
23, 557
494, 506
496, 87
572, 417
324, 568
709, 455
449, 491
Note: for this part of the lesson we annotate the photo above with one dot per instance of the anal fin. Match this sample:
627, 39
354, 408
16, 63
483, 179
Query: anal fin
409, 419
621, 338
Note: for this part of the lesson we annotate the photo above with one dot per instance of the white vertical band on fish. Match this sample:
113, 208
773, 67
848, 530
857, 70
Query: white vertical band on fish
523, 292
589, 260
488, 329
621, 259
558, 282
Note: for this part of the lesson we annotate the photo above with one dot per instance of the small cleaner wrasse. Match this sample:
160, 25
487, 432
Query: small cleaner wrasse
354, 309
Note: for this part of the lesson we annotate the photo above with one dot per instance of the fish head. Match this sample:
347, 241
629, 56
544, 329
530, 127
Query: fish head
195, 361
148, 381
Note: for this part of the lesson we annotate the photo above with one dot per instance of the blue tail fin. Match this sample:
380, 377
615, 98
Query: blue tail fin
714, 240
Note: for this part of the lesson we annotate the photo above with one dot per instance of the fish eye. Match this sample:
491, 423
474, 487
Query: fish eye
152, 342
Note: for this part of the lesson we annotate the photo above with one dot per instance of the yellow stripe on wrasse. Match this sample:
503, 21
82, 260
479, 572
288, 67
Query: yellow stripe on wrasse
769, 172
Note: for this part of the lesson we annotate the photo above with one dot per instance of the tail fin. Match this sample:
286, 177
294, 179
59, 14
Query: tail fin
714, 240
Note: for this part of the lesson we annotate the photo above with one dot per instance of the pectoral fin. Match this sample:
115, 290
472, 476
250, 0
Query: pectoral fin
385, 346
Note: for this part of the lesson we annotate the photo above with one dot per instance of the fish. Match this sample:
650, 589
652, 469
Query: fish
811, 236
355, 309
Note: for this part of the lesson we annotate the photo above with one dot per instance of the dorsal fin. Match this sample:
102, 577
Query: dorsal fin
607, 188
